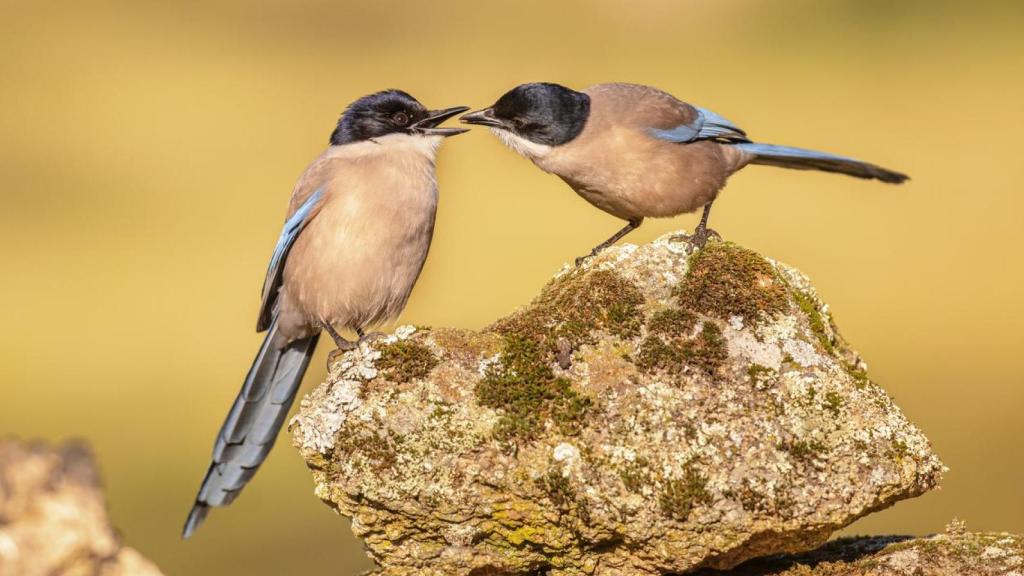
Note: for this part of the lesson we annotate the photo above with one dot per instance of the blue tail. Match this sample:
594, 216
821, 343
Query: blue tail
251, 427
800, 159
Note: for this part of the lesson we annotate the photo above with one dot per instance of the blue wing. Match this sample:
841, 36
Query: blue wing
272, 283
706, 126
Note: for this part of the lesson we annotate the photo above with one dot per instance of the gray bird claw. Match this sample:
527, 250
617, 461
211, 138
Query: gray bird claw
582, 259
343, 347
700, 237
333, 356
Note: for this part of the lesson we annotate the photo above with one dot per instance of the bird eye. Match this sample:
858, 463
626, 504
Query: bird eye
400, 118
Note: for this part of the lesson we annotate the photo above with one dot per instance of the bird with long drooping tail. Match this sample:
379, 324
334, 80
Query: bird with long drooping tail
636, 152
359, 226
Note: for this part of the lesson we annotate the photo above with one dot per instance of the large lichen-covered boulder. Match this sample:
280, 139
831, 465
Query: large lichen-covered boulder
53, 517
652, 412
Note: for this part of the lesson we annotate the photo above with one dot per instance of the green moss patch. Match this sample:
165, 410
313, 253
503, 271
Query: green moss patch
726, 280
706, 352
834, 402
816, 320
859, 375
679, 496
405, 360
805, 450
758, 373
523, 387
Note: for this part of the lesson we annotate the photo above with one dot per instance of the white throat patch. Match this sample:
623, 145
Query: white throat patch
415, 143
419, 143
522, 146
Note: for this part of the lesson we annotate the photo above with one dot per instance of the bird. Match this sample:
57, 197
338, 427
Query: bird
357, 233
637, 152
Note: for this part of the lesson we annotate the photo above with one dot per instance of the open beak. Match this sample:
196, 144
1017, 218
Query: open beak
428, 125
483, 117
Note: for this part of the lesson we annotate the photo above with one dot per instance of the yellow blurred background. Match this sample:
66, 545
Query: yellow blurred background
148, 149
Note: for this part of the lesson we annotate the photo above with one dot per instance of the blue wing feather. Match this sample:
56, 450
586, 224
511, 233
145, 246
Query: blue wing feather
272, 283
706, 126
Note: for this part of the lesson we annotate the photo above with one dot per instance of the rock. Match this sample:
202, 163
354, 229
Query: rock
53, 518
653, 412
954, 553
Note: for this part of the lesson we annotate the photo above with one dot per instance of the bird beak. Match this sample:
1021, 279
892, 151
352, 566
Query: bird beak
428, 125
483, 117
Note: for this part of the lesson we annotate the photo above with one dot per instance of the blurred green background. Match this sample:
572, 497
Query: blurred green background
148, 150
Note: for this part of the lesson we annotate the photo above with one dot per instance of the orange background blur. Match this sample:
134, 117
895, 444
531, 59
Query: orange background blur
148, 149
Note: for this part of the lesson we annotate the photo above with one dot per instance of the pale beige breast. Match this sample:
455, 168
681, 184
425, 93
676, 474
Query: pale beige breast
356, 262
618, 166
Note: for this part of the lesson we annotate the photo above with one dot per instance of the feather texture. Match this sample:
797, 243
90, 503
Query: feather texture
706, 126
252, 425
275, 271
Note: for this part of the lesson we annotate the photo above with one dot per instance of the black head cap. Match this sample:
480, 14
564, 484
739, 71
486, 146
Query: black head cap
391, 112
541, 112
385, 112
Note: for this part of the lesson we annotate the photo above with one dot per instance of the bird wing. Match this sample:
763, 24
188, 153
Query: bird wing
705, 126
275, 271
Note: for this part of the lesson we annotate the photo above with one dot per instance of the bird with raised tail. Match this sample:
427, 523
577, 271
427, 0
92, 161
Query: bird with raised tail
358, 229
636, 152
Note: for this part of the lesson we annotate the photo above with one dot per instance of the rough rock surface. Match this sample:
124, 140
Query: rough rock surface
654, 412
53, 518
953, 553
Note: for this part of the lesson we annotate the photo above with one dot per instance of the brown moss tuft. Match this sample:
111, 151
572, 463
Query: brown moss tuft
726, 280
379, 448
405, 360
573, 306
523, 386
557, 487
635, 474
673, 322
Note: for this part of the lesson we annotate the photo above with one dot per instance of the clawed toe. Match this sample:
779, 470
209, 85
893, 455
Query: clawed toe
333, 356
700, 237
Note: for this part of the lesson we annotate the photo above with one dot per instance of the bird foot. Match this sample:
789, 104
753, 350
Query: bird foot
343, 347
579, 261
700, 237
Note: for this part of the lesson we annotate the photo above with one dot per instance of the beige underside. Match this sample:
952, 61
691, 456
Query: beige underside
357, 260
618, 166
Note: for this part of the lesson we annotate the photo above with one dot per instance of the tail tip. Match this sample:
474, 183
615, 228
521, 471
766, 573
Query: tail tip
891, 177
195, 519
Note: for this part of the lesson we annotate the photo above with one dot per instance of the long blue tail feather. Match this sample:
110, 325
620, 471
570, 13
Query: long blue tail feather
801, 159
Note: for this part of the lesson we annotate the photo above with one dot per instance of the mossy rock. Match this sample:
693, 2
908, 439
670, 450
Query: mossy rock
653, 412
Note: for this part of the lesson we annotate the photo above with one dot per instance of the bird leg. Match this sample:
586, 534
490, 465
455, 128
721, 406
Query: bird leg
634, 223
342, 344
701, 234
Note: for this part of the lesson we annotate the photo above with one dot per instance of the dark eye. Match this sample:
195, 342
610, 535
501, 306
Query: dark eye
400, 118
